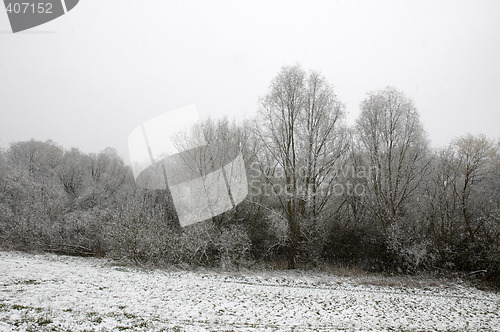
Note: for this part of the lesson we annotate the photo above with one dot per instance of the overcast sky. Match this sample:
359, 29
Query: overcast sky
88, 78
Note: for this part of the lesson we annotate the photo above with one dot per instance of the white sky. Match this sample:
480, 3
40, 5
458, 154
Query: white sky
88, 78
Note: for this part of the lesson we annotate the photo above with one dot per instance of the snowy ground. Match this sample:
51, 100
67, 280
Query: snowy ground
49, 292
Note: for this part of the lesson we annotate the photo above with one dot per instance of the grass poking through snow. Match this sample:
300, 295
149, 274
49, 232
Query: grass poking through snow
57, 293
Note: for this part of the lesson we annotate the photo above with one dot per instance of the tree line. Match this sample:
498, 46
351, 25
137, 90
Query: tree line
373, 195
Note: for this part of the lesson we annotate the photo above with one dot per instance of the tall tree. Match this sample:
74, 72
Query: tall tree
299, 128
393, 141
473, 159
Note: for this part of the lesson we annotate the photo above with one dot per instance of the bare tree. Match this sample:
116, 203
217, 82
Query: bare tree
473, 155
393, 141
323, 142
298, 127
37, 158
71, 173
440, 203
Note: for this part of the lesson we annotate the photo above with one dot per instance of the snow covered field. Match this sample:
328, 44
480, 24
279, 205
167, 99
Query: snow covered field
48, 292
